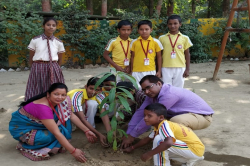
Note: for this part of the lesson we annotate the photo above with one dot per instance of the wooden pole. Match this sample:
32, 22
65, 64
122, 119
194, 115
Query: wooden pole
224, 41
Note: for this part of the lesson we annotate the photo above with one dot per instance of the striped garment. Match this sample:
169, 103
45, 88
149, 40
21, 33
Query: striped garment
39, 78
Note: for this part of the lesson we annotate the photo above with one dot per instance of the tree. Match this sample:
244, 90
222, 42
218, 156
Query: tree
158, 7
89, 4
193, 8
170, 7
46, 5
104, 7
226, 7
151, 7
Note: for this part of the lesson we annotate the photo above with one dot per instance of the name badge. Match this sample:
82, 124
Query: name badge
173, 54
146, 61
126, 62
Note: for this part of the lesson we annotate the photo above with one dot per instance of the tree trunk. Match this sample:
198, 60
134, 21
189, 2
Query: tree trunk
89, 4
193, 8
151, 7
170, 7
158, 7
104, 7
226, 7
46, 5
118, 4
209, 8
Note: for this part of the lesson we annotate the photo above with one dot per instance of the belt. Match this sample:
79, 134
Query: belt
43, 61
208, 115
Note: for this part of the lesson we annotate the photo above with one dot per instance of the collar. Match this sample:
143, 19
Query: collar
149, 38
104, 91
85, 95
156, 130
52, 37
120, 39
179, 33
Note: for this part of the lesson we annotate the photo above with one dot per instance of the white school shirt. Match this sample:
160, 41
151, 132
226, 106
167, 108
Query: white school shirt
39, 45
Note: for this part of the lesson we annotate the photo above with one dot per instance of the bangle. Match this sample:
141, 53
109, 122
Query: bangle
86, 131
132, 147
73, 151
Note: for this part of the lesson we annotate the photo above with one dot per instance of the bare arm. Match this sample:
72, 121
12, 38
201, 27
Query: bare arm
159, 64
106, 56
132, 61
53, 128
89, 134
187, 57
141, 143
102, 138
60, 58
168, 142
32, 53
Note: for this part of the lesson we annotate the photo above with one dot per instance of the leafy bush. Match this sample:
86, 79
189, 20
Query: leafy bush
17, 29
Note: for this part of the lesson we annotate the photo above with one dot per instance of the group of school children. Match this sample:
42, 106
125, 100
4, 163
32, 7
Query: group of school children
167, 57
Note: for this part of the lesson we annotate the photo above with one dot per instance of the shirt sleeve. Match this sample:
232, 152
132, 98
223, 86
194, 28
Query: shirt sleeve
99, 98
168, 100
61, 48
137, 125
132, 45
158, 45
166, 132
110, 45
77, 101
32, 45
187, 43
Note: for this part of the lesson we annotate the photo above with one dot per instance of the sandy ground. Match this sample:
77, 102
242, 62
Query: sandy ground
226, 140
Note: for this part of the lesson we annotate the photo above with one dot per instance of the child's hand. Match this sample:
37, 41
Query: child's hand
128, 149
91, 136
103, 140
186, 73
127, 69
119, 68
158, 74
146, 156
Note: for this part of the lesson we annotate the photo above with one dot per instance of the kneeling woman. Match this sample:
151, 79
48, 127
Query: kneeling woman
42, 125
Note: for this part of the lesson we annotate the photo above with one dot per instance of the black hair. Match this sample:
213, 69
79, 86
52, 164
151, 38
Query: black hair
47, 19
157, 108
126, 85
145, 22
173, 17
124, 23
51, 89
151, 79
110, 78
93, 81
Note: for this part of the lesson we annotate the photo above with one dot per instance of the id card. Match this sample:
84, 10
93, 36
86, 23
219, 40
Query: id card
146, 61
126, 62
173, 54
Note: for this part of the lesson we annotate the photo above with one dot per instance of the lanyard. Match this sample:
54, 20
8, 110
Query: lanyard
145, 52
61, 120
174, 42
126, 53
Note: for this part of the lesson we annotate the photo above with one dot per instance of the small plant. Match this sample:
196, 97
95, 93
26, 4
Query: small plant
113, 99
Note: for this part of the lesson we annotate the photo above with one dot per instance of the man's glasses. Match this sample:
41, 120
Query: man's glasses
148, 87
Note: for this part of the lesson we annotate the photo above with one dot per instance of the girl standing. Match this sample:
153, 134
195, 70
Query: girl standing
45, 58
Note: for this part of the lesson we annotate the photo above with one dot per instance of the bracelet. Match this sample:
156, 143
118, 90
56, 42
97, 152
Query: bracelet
132, 147
73, 151
86, 131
